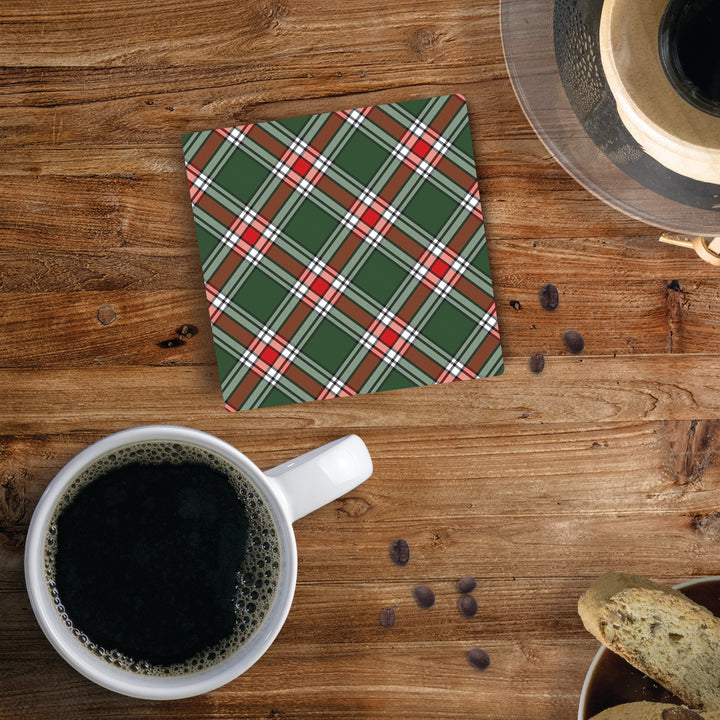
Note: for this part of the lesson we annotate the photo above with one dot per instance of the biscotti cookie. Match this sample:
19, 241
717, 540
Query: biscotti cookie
661, 632
653, 711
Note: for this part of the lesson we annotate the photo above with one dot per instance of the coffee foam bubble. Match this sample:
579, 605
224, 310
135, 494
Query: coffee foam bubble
257, 579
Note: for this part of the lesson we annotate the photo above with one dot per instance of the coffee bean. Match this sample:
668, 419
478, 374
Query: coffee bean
399, 551
573, 341
478, 658
387, 617
468, 605
466, 584
424, 595
537, 363
515, 305
549, 296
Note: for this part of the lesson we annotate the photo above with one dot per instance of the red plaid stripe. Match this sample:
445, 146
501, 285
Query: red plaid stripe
250, 235
269, 355
439, 268
356, 116
421, 148
217, 301
319, 286
370, 216
198, 182
301, 166
389, 337
471, 202
490, 318
455, 370
336, 388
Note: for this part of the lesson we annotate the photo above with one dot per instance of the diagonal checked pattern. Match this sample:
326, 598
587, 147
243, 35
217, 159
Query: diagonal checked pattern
344, 253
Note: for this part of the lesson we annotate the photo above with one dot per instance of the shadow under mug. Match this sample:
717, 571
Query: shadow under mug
290, 491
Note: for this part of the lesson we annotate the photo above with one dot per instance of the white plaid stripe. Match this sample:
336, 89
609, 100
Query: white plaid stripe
334, 385
469, 202
392, 358
230, 239
441, 145
317, 266
304, 187
350, 220
322, 307
454, 367
266, 335
247, 215
271, 232
299, 289
423, 169
442, 288
235, 136
419, 271
254, 256
272, 376
460, 264
220, 301
373, 238
280, 169
340, 283
386, 317
400, 151
355, 118
298, 146
487, 322
202, 182
367, 197
390, 214
368, 340
322, 164
418, 128
249, 358
436, 247
289, 352
409, 334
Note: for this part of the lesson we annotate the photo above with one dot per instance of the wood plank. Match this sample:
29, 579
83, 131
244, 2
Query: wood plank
109, 323
570, 390
180, 34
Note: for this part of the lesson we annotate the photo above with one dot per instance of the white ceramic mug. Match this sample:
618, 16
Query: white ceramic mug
290, 491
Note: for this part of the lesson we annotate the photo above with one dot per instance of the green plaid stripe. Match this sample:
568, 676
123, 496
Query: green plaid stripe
343, 253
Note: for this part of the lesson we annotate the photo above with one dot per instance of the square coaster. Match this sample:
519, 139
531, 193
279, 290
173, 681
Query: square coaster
344, 253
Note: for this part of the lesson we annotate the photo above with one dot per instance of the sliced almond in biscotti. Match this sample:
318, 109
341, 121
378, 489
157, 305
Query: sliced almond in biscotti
661, 632
653, 711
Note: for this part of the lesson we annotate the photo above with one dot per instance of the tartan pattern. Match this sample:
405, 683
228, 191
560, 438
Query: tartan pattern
343, 253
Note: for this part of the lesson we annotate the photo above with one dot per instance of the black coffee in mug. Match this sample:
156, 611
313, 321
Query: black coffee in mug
162, 558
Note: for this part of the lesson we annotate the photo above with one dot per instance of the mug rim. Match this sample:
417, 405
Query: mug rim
99, 670
599, 654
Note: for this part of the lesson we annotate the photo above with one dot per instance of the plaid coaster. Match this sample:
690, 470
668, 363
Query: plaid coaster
344, 253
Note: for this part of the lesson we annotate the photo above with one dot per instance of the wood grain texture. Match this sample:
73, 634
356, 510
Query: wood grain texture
533, 483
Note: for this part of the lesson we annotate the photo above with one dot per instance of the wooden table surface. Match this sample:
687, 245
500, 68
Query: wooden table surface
533, 483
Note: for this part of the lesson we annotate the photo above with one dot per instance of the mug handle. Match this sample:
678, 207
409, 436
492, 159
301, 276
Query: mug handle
320, 476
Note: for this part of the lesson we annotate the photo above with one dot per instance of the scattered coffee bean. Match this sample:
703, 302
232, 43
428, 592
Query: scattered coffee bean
478, 658
573, 341
549, 296
515, 305
387, 617
466, 584
468, 606
424, 595
400, 551
537, 363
